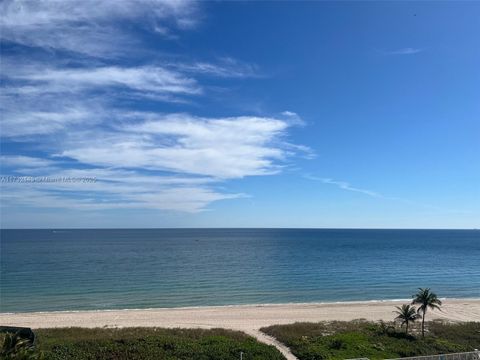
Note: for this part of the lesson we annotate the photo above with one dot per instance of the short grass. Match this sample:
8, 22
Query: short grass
151, 343
343, 340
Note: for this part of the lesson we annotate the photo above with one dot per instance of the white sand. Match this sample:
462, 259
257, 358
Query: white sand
236, 317
247, 318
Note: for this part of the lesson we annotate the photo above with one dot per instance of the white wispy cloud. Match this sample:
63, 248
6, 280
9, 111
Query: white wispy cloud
348, 187
292, 117
220, 147
18, 123
184, 199
38, 98
344, 186
404, 51
113, 189
225, 67
194, 156
21, 161
144, 79
90, 27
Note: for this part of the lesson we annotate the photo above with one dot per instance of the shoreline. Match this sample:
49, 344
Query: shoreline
227, 306
245, 317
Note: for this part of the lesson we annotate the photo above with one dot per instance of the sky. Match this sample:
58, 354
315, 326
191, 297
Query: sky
175, 113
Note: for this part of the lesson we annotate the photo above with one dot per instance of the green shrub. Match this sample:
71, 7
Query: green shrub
14, 347
151, 343
343, 340
467, 334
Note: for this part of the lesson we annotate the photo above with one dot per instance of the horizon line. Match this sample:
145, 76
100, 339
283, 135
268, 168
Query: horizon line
234, 228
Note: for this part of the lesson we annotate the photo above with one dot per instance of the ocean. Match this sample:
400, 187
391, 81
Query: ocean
45, 270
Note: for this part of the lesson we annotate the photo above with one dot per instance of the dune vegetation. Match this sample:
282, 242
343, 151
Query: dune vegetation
360, 339
147, 343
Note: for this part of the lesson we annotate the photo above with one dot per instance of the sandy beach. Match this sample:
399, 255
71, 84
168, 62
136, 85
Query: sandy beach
246, 318
240, 317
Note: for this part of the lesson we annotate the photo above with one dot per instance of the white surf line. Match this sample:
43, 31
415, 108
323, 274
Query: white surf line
270, 340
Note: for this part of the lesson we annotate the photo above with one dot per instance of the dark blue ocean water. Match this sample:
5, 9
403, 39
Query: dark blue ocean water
110, 269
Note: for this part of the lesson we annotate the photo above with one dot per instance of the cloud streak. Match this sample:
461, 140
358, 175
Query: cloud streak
404, 51
344, 186
149, 79
114, 189
90, 27
348, 187
17, 123
226, 67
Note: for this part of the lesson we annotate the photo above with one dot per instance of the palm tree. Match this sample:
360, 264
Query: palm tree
406, 313
426, 299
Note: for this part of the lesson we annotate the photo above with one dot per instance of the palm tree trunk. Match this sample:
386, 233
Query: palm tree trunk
406, 329
423, 324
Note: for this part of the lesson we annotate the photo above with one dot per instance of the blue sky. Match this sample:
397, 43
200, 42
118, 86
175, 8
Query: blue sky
241, 114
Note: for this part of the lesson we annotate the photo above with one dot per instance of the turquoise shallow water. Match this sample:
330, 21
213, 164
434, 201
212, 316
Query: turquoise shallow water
44, 270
